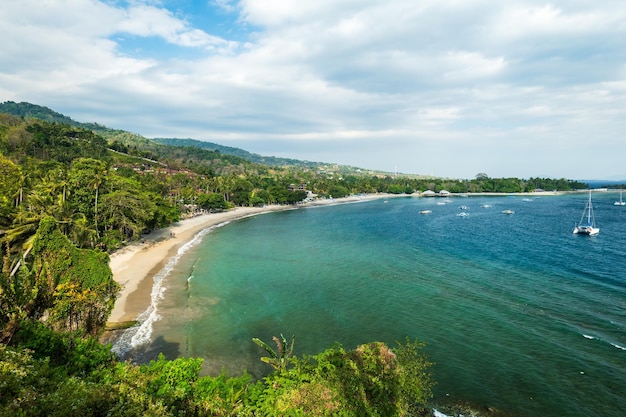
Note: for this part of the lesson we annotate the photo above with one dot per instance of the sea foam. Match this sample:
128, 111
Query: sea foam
141, 335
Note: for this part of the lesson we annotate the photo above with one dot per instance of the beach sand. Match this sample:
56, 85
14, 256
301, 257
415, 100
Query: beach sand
135, 265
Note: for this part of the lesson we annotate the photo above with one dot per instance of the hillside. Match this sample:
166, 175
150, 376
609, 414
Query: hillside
228, 150
149, 147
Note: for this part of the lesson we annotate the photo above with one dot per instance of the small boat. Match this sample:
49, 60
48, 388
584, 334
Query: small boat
464, 208
508, 211
621, 202
485, 205
587, 223
426, 211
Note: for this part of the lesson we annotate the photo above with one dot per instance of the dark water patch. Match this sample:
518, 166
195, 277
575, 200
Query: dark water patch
519, 314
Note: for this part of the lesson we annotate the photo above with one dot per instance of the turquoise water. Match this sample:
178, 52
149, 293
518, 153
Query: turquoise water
517, 312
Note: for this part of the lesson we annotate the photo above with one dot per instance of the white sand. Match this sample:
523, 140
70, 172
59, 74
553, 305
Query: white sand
135, 266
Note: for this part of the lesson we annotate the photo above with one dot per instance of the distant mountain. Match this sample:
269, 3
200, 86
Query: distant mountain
252, 157
33, 111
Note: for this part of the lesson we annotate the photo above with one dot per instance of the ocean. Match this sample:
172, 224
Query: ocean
517, 312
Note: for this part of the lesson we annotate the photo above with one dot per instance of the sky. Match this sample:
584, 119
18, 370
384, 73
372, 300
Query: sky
450, 88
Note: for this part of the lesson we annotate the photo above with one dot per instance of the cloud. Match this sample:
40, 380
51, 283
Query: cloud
365, 82
146, 21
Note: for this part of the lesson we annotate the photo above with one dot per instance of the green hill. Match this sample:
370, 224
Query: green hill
228, 150
149, 147
33, 111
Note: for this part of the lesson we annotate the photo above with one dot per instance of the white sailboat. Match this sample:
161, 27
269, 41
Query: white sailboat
587, 224
621, 202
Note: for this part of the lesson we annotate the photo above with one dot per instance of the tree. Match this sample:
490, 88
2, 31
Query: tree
85, 179
371, 380
211, 201
11, 181
278, 359
338, 191
73, 288
241, 191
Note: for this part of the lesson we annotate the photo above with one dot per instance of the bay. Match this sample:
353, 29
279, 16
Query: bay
517, 312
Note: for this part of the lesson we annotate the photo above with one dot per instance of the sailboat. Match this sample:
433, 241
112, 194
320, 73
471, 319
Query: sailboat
587, 224
621, 202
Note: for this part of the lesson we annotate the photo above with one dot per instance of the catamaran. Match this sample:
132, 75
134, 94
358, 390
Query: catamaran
621, 202
587, 224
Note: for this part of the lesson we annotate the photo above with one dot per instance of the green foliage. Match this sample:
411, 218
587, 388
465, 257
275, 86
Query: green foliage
278, 359
73, 289
65, 191
416, 379
396, 189
172, 381
15, 372
10, 181
77, 284
75, 354
337, 191
371, 380
211, 201
49, 373
222, 395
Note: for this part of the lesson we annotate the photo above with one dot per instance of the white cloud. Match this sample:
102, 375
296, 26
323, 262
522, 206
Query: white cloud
476, 80
148, 21
226, 5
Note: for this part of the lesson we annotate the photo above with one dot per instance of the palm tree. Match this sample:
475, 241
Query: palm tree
279, 360
18, 239
97, 181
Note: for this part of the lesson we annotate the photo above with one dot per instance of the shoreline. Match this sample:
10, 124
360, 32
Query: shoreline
134, 266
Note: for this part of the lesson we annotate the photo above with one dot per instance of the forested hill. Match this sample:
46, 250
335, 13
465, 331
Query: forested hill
131, 140
33, 111
252, 157
69, 195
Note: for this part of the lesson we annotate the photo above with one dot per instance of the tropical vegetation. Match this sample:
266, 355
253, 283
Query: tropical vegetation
72, 193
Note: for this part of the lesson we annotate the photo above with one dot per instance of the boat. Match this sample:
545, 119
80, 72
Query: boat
508, 211
587, 223
463, 214
426, 211
621, 202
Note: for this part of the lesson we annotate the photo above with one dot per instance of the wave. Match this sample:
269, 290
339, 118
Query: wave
142, 334
615, 345
618, 346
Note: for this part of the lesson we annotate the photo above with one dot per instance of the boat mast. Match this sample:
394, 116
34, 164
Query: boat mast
589, 211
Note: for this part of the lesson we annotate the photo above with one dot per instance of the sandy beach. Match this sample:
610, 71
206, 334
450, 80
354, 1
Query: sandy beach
135, 265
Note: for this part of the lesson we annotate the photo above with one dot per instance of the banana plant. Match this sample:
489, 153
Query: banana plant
279, 359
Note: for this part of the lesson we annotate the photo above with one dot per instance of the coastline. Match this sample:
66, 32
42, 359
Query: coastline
134, 266
376, 206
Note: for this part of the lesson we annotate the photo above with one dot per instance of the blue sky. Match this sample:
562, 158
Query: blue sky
520, 88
